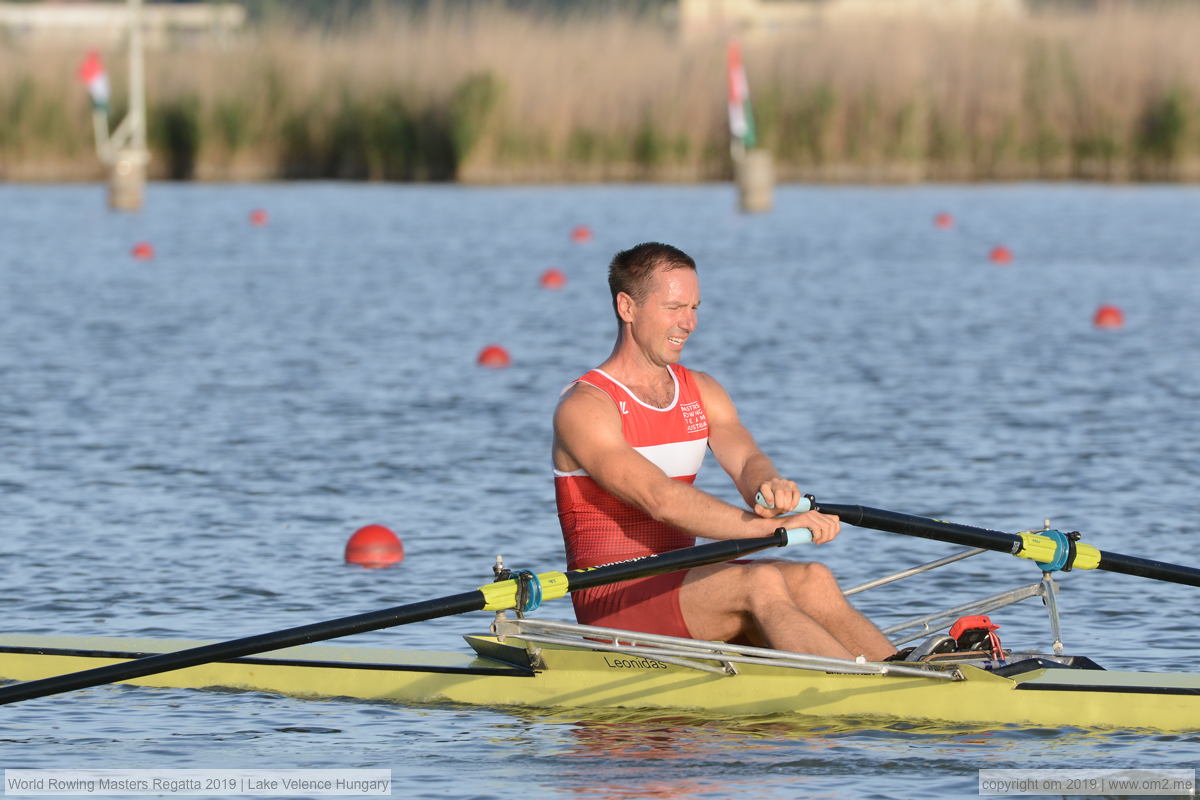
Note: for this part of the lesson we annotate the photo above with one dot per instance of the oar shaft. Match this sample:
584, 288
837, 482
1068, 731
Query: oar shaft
492, 597
237, 648
927, 528
923, 527
1146, 568
672, 561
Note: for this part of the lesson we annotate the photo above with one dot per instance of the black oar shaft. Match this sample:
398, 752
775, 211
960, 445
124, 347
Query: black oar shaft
261, 643
374, 620
923, 527
926, 528
1146, 568
672, 561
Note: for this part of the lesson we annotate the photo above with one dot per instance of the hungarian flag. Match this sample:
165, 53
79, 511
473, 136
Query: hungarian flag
91, 72
741, 118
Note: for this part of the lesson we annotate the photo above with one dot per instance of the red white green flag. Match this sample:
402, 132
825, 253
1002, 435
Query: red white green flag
741, 117
91, 72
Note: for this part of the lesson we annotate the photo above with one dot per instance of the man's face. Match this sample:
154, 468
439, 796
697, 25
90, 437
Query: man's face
662, 323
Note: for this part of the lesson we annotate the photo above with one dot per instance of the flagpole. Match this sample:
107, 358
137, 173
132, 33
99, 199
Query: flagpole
100, 132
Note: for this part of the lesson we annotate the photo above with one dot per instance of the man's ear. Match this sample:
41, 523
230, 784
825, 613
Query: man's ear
625, 306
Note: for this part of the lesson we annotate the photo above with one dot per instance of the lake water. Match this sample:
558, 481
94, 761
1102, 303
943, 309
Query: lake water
186, 443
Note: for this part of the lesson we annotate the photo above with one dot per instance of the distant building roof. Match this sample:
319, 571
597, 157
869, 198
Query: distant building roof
98, 22
707, 17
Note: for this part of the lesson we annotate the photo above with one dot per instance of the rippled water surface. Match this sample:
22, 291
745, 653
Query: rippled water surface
186, 443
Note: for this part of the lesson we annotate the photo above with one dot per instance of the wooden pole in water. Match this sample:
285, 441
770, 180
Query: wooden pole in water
752, 169
127, 169
755, 175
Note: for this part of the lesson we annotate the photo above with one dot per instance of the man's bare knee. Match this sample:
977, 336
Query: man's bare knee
811, 577
767, 589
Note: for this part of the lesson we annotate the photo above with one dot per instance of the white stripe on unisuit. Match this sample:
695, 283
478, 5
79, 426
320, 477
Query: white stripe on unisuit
677, 459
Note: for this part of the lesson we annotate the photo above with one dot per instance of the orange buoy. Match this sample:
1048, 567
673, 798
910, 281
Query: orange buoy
374, 546
943, 220
581, 234
143, 251
258, 217
493, 356
1109, 317
1001, 255
553, 278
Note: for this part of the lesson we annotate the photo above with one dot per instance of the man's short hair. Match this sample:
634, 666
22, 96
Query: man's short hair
631, 270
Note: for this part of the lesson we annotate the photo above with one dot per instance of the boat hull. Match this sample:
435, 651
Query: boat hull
577, 677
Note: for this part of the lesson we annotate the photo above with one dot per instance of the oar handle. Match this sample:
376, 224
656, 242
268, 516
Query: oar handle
805, 504
795, 535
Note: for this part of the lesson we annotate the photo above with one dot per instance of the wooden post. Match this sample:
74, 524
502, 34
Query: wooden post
127, 180
755, 176
128, 155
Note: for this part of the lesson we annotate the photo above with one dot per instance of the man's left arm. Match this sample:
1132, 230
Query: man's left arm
738, 454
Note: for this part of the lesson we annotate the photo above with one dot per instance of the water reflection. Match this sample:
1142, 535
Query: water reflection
623, 754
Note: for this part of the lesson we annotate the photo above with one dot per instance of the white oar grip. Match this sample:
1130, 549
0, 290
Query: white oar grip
805, 503
799, 536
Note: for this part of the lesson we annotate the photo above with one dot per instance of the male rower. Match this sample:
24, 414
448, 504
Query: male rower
629, 438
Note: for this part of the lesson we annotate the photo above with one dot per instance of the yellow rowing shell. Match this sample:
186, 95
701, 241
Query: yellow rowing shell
564, 676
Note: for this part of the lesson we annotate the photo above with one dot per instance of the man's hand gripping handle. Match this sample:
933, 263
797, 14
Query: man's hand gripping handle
796, 535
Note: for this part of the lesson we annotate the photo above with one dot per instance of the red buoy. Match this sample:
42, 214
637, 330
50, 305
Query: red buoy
581, 234
258, 217
553, 279
943, 220
493, 356
1109, 317
1001, 255
374, 546
143, 251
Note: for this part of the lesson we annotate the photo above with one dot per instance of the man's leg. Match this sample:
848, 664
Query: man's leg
814, 588
725, 601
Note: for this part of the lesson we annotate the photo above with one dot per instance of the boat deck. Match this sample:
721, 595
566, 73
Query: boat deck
514, 670
105, 649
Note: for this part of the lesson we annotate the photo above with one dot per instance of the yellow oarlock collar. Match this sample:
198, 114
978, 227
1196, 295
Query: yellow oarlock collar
1051, 550
502, 595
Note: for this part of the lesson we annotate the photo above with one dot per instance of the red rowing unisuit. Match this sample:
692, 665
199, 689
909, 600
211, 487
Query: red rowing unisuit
600, 529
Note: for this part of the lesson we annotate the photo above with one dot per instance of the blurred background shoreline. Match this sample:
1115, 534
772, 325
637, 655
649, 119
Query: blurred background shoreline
489, 93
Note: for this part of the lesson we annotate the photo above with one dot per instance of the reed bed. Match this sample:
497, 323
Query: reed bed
488, 95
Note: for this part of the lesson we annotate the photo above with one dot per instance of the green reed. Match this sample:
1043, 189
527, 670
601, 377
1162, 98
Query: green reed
484, 94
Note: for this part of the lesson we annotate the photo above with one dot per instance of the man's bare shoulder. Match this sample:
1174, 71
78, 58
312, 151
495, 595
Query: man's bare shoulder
586, 423
582, 402
718, 405
580, 393
703, 379
711, 389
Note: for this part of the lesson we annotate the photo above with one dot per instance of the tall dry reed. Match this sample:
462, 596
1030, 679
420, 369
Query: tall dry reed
493, 95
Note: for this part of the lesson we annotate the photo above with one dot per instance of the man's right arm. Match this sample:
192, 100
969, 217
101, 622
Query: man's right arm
587, 435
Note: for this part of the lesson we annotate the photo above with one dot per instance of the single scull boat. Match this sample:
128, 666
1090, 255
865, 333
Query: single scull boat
540, 663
